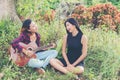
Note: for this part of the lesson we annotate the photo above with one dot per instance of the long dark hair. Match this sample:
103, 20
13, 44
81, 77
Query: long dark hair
26, 26
73, 22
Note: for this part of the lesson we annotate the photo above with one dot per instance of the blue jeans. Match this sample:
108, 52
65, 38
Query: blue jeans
43, 59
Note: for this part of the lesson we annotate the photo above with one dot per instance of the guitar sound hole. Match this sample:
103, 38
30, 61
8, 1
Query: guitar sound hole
30, 49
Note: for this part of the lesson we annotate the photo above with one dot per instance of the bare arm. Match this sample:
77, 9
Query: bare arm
84, 50
64, 50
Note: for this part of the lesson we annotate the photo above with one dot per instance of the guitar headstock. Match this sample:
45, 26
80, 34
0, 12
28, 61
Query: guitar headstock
53, 45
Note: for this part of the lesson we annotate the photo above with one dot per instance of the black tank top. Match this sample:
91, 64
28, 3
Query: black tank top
74, 47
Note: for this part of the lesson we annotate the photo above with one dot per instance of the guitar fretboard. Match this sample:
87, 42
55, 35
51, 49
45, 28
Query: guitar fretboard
42, 48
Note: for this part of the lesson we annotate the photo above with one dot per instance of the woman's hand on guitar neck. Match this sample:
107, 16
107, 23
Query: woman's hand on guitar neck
53, 45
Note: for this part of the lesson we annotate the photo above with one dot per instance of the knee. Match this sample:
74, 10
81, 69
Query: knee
52, 61
54, 53
80, 71
35, 63
31, 62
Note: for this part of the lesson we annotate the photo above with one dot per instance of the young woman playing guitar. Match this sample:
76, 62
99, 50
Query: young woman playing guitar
24, 45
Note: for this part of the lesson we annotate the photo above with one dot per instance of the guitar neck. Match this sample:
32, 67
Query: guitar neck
42, 48
31, 46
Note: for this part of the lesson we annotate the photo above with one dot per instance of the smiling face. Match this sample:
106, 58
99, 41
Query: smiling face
33, 27
70, 28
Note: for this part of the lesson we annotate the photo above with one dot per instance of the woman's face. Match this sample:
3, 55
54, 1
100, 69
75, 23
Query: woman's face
70, 27
33, 27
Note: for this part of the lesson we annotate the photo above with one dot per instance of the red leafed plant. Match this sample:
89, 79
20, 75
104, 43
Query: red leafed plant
101, 14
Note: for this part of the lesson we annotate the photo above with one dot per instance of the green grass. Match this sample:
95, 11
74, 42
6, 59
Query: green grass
102, 62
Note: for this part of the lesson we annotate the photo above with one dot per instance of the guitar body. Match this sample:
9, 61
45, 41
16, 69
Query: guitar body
20, 59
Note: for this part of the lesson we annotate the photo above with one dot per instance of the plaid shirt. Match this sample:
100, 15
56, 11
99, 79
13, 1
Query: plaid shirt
24, 38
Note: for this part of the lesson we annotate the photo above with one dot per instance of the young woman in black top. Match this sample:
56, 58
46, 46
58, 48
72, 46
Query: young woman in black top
74, 50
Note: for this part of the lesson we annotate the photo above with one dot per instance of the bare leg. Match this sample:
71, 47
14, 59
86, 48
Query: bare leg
40, 71
75, 70
78, 70
58, 65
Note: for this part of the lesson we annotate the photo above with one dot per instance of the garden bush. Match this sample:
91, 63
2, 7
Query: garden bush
102, 62
98, 15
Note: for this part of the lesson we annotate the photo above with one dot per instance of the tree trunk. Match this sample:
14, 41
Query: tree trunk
8, 10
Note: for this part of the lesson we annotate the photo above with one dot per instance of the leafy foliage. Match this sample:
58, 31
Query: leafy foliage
102, 62
37, 10
98, 15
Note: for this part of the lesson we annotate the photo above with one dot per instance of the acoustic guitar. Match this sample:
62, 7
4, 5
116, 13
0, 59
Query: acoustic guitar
20, 59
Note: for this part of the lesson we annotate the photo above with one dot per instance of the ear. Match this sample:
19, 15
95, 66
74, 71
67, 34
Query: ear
74, 26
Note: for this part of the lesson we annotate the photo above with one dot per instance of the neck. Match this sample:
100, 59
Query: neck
32, 34
75, 32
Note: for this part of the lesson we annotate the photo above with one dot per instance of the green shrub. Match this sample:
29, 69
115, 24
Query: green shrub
8, 31
102, 62
101, 14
